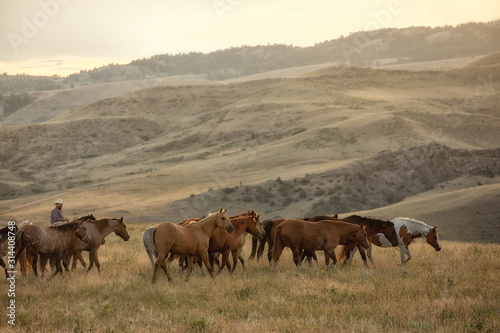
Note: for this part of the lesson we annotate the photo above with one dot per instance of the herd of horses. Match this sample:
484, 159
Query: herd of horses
59, 243
200, 241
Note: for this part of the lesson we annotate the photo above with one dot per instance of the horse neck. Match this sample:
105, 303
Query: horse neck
375, 226
240, 223
347, 231
104, 226
415, 228
208, 224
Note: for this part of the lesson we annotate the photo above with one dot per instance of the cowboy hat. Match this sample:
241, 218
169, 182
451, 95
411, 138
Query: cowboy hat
59, 201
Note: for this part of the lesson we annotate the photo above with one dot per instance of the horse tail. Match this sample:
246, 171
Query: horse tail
343, 253
279, 244
255, 242
149, 244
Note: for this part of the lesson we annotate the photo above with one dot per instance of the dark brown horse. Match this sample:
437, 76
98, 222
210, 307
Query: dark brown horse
373, 228
5, 233
223, 242
191, 240
315, 236
317, 218
98, 230
50, 241
270, 229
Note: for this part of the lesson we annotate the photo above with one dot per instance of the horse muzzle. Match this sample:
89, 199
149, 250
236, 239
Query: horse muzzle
229, 229
86, 240
438, 248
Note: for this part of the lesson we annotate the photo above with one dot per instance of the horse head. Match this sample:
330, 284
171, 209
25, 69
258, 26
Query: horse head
433, 239
362, 237
121, 230
390, 233
81, 233
223, 221
256, 228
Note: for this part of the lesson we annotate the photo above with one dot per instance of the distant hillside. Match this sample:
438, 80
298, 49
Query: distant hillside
377, 181
334, 140
372, 48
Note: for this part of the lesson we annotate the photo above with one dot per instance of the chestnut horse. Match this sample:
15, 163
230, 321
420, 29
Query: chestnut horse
315, 236
223, 242
270, 228
190, 240
50, 241
374, 227
97, 230
407, 230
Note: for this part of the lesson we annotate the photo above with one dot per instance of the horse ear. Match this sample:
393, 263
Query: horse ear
121, 220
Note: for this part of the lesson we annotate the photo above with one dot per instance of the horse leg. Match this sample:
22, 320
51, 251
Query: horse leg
260, 250
296, 257
204, 258
407, 251
200, 264
255, 242
59, 269
160, 262
92, 256
43, 264
224, 261
189, 267
330, 253
240, 258
79, 256
35, 263
369, 252
2, 263
363, 255
234, 254
270, 246
97, 264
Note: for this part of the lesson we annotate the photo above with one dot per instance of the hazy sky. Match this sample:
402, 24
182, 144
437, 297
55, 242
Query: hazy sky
45, 37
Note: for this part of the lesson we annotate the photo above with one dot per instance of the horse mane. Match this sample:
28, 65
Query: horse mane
413, 225
25, 222
99, 222
70, 226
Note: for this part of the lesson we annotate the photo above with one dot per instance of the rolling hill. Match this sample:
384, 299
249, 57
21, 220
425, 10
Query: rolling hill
339, 133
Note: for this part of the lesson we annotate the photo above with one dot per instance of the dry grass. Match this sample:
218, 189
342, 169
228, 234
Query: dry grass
455, 290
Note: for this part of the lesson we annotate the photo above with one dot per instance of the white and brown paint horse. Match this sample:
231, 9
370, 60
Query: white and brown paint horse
407, 230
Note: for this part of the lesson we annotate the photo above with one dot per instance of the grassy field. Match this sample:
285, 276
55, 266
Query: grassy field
455, 290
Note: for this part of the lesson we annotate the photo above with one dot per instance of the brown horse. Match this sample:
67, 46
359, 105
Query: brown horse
270, 229
190, 240
97, 230
52, 241
315, 236
223, 242
373, 228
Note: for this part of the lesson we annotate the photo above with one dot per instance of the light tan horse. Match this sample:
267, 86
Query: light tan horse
49, 241
191, 240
